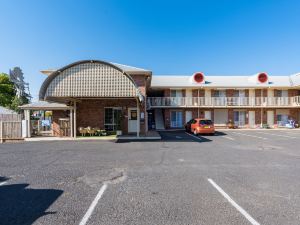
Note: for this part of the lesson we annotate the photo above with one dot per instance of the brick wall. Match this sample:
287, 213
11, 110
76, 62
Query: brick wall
91, 112
229, 92
292, 92
167, 93
56, 115
167, 118
140, 81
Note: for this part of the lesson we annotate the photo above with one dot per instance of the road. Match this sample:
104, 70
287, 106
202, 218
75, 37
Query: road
235, 177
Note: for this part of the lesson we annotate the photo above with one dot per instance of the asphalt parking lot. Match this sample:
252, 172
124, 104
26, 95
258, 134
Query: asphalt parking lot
235, 177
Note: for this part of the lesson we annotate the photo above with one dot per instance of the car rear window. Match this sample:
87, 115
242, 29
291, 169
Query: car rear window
205, 122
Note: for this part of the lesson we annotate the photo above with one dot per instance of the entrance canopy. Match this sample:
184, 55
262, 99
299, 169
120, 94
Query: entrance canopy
89, 79
44, 105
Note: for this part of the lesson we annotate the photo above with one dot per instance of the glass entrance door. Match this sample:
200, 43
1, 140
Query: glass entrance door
239, 118
112, 119
176, 119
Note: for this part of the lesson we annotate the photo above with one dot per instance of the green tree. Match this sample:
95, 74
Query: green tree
17, 101
7, 91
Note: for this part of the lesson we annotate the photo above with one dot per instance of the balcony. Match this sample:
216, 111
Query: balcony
223, 102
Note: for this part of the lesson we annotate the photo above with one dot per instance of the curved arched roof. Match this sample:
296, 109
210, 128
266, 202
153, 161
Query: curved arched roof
89, 78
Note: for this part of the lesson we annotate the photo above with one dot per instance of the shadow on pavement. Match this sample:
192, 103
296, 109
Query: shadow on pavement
21, 205
2, 179
172, 136
220, 133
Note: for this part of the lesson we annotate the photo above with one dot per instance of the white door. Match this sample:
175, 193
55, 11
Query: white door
207, 115
188, 95
220, 117
207, 97
251, 117
252, 97
270, 118
188, 116
132, 120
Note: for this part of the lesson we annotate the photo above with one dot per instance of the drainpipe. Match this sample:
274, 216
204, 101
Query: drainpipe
261, 109
75, 106
198, 104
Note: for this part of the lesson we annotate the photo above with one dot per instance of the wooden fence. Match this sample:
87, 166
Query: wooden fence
10, 117
10, 127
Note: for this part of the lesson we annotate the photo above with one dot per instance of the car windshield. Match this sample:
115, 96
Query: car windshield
205, 122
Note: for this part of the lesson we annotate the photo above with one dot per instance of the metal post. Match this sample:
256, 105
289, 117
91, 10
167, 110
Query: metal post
1, 132
71, 122
261, 110
74, 128
138, 118
198, 103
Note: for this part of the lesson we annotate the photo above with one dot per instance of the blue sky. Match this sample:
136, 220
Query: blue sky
233, 37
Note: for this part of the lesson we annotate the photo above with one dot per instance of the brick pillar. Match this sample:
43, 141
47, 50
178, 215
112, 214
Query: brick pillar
230, 114
167, 118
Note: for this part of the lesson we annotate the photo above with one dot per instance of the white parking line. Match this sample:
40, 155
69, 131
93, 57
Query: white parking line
248, 135
279, 135
227, 138
93, 205
194, 136
233, 203
2, 183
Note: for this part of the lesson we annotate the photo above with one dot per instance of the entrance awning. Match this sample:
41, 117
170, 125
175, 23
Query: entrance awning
45, 105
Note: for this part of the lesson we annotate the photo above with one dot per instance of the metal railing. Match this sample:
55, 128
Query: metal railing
223, 101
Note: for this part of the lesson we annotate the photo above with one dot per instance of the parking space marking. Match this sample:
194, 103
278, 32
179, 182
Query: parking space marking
230, 138
194, 136
93, 205
250, 135
2, 183
279, 135
233, 203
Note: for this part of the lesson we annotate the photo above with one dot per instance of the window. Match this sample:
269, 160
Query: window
176, 93
219, 93
205, 122
112, 118
282, 93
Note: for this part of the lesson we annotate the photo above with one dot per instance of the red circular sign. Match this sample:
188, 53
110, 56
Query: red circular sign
198, 77
262, 77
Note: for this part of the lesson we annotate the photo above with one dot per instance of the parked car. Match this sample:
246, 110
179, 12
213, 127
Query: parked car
200, 126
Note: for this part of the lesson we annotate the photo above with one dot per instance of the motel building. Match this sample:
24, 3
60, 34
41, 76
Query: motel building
114, 97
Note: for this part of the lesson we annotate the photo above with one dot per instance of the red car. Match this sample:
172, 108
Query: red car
200, 126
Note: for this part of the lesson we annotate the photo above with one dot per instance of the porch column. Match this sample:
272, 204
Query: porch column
71, 123
27, 118
138, 118
74, 128
261, 117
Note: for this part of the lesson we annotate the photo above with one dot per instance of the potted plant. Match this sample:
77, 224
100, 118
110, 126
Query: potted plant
230, 124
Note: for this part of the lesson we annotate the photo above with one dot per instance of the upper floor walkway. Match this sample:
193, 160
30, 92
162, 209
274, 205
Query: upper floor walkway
223, 102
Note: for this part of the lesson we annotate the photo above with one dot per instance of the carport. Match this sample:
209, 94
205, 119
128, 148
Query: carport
47, 106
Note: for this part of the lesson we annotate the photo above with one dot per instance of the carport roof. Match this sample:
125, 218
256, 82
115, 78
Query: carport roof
45, 105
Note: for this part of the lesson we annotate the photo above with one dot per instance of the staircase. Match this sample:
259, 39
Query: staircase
159, 120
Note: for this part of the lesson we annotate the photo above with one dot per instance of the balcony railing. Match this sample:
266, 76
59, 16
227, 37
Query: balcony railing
157, 102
